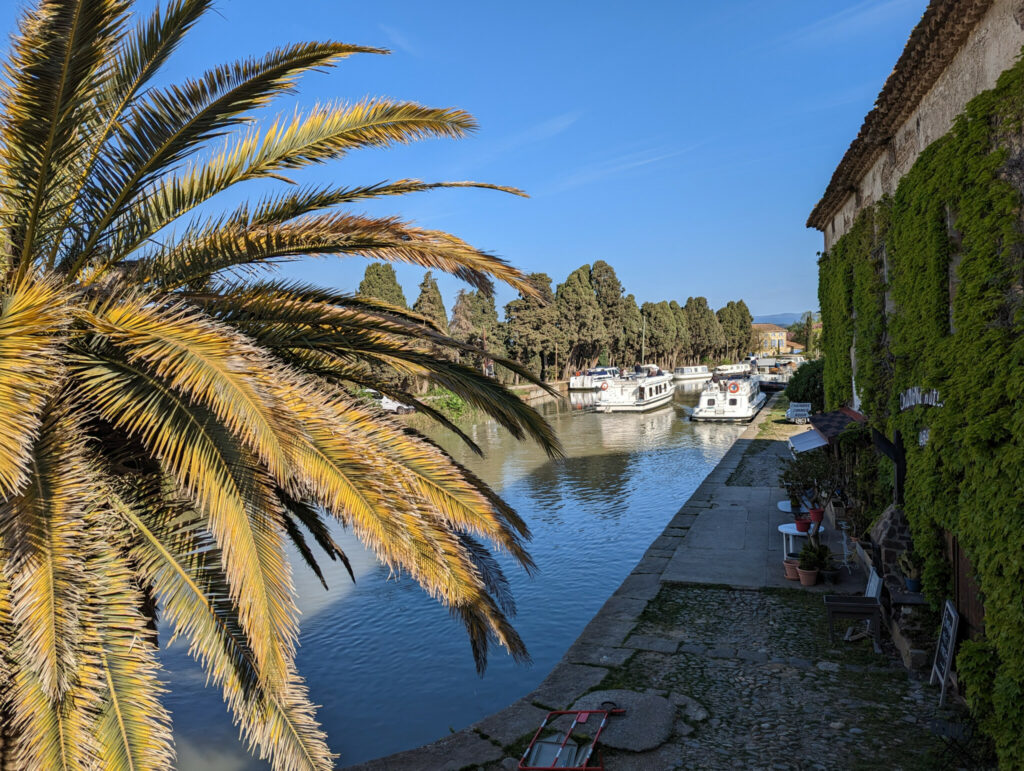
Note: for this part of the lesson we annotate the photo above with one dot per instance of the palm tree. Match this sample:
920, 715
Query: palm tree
173, 417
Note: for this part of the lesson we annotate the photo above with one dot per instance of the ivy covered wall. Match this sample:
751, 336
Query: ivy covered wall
928, 290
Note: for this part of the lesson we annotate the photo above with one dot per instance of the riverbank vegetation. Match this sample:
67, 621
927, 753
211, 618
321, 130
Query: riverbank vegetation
175, 418
585, 321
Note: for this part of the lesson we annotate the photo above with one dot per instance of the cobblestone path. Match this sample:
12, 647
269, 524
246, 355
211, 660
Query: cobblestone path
776, 692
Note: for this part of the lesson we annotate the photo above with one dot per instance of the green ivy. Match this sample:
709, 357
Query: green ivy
948, 249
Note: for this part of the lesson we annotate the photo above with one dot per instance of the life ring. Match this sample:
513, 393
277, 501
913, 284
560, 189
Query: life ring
604, 386
734, 387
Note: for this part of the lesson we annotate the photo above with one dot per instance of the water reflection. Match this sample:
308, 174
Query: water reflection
393, 670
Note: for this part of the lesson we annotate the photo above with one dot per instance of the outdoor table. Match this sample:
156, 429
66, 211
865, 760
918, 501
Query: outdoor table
787, 508
789, 531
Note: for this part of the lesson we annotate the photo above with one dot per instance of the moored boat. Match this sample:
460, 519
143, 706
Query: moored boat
591, 379
690, 374
640, 391
725, 400
774, 373
733, 370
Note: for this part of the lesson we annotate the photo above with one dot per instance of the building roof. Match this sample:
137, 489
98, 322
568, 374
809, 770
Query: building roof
934, 42
768, 328
831, 424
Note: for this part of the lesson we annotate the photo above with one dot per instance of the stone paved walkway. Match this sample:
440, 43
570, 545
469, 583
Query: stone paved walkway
707, 625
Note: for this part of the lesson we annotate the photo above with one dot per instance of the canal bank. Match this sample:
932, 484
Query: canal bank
717, 660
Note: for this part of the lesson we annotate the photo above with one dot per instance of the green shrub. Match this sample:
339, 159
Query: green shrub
808, 385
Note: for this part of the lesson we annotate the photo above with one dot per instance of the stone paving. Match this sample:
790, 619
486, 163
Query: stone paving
728, 665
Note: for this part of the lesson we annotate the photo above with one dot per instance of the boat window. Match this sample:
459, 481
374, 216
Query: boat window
732, 402
711, 402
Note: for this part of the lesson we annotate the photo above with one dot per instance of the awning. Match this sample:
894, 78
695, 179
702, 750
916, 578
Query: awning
831, 424
808, 440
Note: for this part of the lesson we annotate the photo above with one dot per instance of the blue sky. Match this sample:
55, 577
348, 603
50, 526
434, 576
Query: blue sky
683, 142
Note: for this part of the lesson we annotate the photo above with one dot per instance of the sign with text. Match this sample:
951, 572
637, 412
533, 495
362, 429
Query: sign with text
944, 650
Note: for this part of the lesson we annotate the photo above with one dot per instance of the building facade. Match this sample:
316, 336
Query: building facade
771, 338
921, 286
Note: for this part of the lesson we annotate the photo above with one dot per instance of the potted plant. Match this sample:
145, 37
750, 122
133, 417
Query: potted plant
813, 557
830, 570
789, 564
910, 565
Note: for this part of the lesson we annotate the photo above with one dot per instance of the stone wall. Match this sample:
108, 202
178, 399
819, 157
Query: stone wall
992, 47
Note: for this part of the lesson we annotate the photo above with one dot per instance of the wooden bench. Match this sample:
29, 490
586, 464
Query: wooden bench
868, 607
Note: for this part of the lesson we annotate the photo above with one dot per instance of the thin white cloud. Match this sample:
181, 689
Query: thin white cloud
538, 132
852, 22
400, 42
618, 165
533, 134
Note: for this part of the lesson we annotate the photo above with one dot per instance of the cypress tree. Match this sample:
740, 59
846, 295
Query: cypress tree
581, 320
379, 281
531, 327
430, 303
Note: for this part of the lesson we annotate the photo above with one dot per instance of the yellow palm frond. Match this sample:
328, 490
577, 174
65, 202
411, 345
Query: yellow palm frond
208, 363
183, 563
167, 124
56, 72
213, 469
45, 537
33, 315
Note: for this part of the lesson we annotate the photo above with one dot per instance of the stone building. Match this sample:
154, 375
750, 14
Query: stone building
921, 286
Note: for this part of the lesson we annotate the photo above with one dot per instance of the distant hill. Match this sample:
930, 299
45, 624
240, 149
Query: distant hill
782, 319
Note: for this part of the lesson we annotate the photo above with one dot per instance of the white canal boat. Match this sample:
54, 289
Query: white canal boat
735, 400
641, 391
591, 379
733, 370
774, 373
691, 374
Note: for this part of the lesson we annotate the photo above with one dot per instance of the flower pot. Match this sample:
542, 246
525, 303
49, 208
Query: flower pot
791, 566
816, 515
802, 525
830, 576
807, 577
912, 584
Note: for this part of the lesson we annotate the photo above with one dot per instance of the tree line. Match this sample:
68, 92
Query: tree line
585, 321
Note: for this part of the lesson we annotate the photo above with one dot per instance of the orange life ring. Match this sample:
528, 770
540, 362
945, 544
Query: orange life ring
604, 386
734, 387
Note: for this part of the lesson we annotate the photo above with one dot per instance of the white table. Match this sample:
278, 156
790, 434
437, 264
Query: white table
789, 532
787, 508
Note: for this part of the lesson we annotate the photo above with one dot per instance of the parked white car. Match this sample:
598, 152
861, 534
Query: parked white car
386, 403
799, 412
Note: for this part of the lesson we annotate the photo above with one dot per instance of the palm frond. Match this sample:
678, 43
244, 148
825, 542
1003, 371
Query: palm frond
132, 727
46, 538
137, 60
210, 364
313, 521
222, 479
54, 73
169, 123
183, 563
33, 316
199, 256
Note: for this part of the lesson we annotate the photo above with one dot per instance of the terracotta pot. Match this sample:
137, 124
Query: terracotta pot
802, 525
816, 515
807, 577
791, 566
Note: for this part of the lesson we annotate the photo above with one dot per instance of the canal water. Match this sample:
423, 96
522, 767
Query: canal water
392, 670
